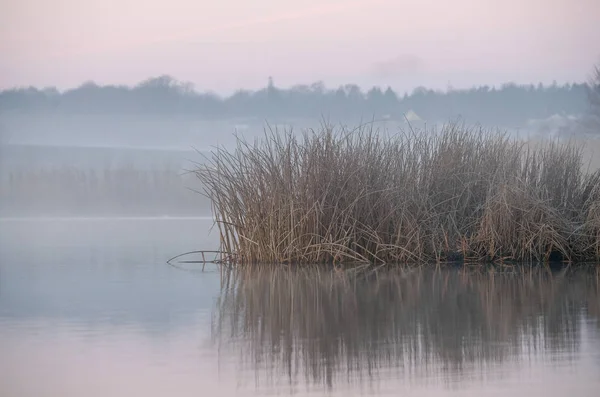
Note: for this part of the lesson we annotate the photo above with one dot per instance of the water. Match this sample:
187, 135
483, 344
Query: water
89, 307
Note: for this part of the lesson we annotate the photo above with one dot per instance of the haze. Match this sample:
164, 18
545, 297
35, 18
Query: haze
118, 147
226, 45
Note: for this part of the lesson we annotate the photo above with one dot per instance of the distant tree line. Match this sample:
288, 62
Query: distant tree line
509, 104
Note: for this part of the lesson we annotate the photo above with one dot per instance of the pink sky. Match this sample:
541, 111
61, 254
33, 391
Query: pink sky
226, 44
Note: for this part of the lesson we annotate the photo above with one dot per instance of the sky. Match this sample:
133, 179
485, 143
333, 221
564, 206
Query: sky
225, 45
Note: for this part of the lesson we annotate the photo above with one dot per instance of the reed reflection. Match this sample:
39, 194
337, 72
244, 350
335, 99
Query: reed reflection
328, 327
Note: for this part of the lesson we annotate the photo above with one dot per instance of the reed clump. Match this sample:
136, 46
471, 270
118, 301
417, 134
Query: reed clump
338, 195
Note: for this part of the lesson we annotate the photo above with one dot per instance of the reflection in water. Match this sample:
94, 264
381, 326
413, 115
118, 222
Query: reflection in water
88, 307
326, 328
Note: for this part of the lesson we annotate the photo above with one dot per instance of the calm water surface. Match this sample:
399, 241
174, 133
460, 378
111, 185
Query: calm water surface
88, 307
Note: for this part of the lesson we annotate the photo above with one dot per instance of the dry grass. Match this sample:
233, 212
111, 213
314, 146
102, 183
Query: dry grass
339, 195
590, 148
591, 153
123, 190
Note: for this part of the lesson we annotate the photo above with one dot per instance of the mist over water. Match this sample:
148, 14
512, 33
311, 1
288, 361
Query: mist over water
89, 307
138, 164
51, 180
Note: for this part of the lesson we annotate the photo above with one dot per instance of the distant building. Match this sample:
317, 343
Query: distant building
412, 116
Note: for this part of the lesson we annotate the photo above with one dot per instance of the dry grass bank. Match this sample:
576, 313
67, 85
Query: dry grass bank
339, 195
123, 190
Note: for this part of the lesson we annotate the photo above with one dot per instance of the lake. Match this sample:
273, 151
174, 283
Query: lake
88, 306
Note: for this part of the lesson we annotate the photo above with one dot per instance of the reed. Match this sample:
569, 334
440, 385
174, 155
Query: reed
341, 195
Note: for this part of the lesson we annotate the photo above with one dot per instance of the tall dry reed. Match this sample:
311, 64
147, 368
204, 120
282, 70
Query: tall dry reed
362, 195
